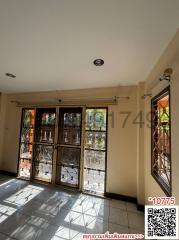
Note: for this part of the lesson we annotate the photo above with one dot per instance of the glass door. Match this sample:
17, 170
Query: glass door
44, 144
26, 143
69, 147
95, 150
38, 139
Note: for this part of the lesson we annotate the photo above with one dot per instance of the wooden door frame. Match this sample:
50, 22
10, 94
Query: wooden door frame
55, 155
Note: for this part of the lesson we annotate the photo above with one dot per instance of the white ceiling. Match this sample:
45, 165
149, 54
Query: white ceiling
51, 44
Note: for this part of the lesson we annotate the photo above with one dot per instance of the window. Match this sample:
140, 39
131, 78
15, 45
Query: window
161, 140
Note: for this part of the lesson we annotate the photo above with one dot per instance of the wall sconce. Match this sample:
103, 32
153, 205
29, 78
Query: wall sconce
166, 75
147, 95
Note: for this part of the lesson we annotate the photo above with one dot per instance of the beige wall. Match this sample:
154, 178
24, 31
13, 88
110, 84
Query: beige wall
3, 100
122, 142
170, 58
122, 148
140, 145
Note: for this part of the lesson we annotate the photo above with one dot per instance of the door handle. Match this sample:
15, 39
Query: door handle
56, 146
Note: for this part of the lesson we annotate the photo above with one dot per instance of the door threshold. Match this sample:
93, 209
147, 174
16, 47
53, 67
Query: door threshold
94, 194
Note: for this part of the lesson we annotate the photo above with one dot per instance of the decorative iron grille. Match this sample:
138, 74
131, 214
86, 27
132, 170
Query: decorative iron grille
44, 144
161, 140
69, 147
95, 150
26, 143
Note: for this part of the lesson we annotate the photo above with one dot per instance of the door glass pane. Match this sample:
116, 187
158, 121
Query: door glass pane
96, 119
45, 134
69, 175
69, 156
72, 119
94, 180
69, 150
48, 118
95, 140
71, 136
94, 159
44, 144
42, 171
70, 127
26, 151
24, 168
43, 153
26, 143
27, 135
28, 118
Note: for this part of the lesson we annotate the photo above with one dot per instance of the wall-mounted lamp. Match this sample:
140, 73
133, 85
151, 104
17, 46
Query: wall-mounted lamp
147, 95
166, 75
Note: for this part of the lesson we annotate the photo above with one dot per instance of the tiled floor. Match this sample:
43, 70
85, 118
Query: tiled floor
31, 211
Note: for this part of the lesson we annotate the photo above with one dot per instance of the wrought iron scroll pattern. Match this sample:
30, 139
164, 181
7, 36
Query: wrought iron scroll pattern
161, 140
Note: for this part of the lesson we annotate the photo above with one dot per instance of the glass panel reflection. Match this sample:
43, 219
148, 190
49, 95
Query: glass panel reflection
42, 171
26, 151
94, 180
43, 153
26, 143
95, 140
28, 118
69, 175
24, 168
94, 159
27, 135
45, 134
48, 118
44, 138
96, 119
72, 119
69, 156
95, 150
71, 136
69, 151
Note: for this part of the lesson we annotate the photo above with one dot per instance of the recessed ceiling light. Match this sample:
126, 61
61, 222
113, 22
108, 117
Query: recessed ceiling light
98, 62
10, 75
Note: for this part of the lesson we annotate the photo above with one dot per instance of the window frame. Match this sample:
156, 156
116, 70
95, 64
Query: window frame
164, 186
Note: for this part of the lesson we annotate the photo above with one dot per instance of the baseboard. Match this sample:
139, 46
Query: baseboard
121, 197
140, 207
8, 173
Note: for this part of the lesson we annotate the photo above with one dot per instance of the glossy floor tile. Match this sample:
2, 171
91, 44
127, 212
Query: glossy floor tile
31, 211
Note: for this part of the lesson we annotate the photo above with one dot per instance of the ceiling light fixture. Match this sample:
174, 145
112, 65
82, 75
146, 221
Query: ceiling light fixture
10, 75
98, 62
